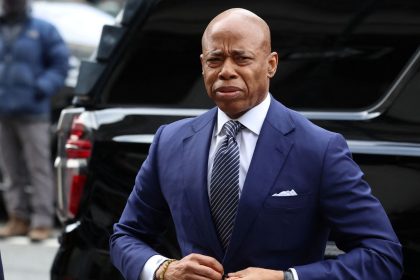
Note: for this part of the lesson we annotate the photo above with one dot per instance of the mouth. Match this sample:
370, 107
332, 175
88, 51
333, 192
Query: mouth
227, 91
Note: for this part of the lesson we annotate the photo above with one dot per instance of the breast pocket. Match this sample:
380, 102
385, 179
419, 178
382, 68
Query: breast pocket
287, 220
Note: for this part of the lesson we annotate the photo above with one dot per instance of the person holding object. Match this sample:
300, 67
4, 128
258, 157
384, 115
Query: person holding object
33, 67
254, 189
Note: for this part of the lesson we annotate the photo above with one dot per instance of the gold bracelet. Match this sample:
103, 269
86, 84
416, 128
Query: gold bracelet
165, 268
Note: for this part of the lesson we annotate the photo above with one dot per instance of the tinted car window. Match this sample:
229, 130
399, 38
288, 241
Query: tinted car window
347, 59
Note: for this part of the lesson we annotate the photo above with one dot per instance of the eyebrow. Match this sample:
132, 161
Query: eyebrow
233, 52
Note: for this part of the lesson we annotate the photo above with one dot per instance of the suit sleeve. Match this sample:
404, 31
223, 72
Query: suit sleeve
358, 223
143, 220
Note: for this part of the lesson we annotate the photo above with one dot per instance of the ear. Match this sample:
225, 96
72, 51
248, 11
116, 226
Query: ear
273, 60
202, 64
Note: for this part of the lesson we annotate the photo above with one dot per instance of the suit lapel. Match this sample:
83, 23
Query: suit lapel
195, 156
270, 154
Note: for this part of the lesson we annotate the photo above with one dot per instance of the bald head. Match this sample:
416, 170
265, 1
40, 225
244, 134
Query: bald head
237, 20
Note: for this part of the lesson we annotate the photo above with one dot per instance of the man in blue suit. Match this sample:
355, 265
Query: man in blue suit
294, 184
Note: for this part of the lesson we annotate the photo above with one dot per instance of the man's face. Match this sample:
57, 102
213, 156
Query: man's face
237, 66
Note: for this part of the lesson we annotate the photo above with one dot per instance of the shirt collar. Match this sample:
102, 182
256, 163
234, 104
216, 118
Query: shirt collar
252, 120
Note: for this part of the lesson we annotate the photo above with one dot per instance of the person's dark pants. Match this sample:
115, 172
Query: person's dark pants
25, 152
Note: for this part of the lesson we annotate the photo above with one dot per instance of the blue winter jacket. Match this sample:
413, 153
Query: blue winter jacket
33, 67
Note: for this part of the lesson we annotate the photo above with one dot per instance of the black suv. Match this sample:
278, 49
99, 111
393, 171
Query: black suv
350, 66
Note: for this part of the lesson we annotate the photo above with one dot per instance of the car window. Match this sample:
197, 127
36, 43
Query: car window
333, 54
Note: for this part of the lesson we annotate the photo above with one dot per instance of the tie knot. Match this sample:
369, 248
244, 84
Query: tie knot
231, 128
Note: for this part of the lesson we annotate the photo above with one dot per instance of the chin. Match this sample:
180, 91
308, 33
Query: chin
232, 109
234, 114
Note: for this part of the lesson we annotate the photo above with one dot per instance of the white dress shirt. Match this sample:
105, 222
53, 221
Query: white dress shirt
247, 139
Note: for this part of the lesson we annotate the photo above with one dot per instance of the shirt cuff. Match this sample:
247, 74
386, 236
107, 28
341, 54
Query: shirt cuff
295, 276
150, 267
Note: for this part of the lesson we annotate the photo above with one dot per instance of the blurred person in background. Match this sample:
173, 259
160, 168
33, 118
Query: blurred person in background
33, 67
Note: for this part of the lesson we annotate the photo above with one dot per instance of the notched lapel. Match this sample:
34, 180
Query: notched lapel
195, 166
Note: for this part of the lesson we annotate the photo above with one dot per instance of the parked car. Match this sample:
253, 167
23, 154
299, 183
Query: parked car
349, 66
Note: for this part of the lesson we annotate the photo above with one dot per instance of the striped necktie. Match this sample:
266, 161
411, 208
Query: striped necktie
224, 183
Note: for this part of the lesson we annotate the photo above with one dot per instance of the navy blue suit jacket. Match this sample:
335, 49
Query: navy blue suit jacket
274, 232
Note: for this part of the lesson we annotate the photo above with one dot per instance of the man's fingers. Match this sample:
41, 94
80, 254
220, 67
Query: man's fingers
208, 272
195, 266
254, 273
207, 261
237, 274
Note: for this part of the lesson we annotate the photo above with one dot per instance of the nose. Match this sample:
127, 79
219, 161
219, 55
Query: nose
228, 70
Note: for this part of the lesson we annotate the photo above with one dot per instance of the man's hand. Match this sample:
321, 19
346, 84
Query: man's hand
193, 266
252, 273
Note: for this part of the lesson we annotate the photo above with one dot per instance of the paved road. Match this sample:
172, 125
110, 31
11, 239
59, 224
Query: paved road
24, 260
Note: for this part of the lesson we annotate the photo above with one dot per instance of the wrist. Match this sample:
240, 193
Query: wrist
161, 270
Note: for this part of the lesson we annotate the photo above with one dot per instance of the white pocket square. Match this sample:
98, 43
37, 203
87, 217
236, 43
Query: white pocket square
286, 193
